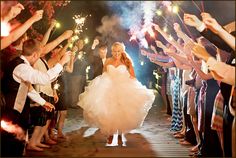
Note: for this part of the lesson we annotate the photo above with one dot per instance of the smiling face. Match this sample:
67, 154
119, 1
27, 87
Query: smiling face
117, 50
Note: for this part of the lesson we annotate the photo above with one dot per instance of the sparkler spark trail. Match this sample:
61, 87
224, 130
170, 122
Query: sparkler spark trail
14, 129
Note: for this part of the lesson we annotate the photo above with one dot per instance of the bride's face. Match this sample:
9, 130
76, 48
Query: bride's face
116, 52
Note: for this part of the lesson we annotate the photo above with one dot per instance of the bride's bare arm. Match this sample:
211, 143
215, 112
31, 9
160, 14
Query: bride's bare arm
131, 71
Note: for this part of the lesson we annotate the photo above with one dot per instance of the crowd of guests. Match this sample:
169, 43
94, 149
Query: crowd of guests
199, 87
39, 81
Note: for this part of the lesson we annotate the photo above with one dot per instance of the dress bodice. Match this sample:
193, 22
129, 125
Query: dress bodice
119, 71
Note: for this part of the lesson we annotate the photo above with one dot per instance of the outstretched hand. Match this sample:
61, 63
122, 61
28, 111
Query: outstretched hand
200, 52
213, 25
48, 106
192, 20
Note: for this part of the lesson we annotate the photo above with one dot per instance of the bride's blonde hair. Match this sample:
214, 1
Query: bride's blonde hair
125, 59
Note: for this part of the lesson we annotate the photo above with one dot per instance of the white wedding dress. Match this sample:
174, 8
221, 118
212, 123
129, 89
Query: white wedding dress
113, 101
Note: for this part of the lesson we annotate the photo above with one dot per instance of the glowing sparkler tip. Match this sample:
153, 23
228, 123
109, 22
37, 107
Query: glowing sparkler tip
58, 25
86, 40
159, 12
165, 29
175, 9
142, 63
71, 45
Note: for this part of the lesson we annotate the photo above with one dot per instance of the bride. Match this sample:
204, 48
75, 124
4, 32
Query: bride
115, 101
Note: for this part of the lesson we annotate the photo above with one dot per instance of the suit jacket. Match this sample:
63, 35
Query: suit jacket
96, 66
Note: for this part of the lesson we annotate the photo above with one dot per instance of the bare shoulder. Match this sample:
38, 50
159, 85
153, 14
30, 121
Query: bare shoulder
108, 61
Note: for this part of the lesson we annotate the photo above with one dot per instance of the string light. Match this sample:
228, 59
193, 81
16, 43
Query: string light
175, 9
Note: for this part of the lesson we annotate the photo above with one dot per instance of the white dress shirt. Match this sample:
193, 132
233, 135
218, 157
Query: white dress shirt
25, 72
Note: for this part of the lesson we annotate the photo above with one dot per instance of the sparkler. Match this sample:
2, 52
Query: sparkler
79, 21
196, 6
13, 128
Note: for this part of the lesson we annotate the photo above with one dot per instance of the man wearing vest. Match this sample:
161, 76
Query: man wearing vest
17, 89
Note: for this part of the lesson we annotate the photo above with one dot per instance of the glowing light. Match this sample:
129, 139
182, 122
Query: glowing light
170, 38
87, 69
86, 40
165, 29
142, 63
58, 25
56, 86
175, 9
80, 56
79, 20
76, 37
159, 12
12, 128
5, 29
71, 45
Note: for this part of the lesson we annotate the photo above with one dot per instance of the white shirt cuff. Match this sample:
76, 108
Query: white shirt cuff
201, 27
36, 97
58, 68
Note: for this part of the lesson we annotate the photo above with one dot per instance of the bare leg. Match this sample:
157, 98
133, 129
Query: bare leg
195, 127
62, 117
33, 140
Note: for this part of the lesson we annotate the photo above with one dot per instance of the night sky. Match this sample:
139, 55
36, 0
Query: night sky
223, 11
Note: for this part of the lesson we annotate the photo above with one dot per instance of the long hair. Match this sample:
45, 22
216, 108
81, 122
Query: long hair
125, 59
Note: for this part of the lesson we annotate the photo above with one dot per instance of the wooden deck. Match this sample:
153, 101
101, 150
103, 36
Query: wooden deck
154, 139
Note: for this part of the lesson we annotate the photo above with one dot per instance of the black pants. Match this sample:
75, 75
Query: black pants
227, 132
190, 134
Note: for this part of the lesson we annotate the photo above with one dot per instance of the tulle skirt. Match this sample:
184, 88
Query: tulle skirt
113, 104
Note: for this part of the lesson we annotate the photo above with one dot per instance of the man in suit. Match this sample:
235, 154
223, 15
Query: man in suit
97, 58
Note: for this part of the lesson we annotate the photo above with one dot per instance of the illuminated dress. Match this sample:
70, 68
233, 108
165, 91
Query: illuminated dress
113, 101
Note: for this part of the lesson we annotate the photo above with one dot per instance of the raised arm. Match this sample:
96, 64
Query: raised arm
70, 65
192, 20
14, 11
47, 34
181, 34
197, 67
50, 46
167, 65
213, 25
19, 31
166, 36
52, 61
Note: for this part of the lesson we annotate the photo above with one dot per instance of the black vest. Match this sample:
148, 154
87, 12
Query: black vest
10, 88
